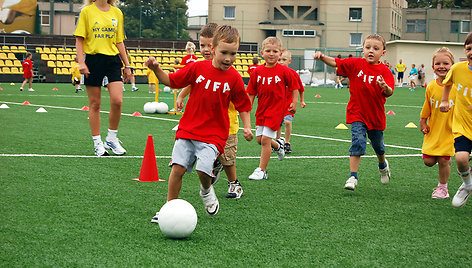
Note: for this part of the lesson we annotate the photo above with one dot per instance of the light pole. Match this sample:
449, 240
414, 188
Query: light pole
140, 20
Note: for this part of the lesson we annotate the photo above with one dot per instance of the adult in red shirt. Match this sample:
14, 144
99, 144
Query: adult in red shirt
27, 71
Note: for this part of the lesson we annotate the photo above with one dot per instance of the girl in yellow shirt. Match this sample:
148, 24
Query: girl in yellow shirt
99, 35
438, 142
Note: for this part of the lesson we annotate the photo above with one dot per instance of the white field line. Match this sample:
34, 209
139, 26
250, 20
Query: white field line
345, 103
175, 120
150, 97
168, 156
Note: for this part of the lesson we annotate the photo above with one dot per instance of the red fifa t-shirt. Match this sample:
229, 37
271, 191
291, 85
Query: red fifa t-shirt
271, 86
300, 88
367, 103
27, 67
251, 68
188, 59
206, 113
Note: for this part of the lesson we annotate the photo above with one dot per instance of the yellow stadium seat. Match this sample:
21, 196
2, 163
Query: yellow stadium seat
51, 64
59, 64
6, 70
67, 57
39, 50
139, 72
44, 57
61, 50
66, 64
13, 48
139, 65
53, 50
57, 71
21, 49
6, 48
2, 63
68, 49
46, 50
17, 63
52, 57
11, 56
15, 70
9, 63
65, 71
138, 59
60, 57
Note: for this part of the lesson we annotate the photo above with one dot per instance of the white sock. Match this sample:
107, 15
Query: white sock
112, 134
442, 185
203, 190
468, 179
133, 85
96, 139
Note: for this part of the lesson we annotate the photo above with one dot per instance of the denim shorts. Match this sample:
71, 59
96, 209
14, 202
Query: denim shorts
359, 139
186, 152
288, 117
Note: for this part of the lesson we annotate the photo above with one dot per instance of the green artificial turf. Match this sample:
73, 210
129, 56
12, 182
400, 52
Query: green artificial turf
62, 207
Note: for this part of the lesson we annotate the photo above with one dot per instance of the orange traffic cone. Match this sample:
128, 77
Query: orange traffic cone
149, 165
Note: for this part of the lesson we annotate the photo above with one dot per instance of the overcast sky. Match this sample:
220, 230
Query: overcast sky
197, 7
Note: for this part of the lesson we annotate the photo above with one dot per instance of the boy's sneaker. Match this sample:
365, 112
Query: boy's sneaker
210, 201
440, 192
21, 89
155, 218
134, 89
115, 146
385, 174
351, 183
258, 175
217, 168
287, 148
280, 151
31, 90
234, 190
460, 198
100, 150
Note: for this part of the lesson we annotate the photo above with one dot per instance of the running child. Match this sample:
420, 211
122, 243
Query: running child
438, 142
27, 72
459, 79
271, 83
153, 83
413, 75
203, 131
76, 76
285, 60
371, 83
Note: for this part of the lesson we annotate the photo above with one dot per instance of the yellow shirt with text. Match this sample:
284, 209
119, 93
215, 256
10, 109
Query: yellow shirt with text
400, 67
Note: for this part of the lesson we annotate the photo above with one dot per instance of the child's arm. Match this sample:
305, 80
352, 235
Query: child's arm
424, 125
388, 91
153, 64
326, 59
302, 99
246, 118
251, 98
444, 106
293, 105
179, 103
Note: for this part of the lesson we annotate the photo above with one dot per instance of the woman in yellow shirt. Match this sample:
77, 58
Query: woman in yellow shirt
99, 35
438, 142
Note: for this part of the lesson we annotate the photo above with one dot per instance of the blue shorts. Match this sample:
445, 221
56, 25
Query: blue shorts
288, 117
186, 152
359, 139
462, 144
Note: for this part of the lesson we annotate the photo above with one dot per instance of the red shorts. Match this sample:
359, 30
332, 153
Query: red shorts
27, 75
429, 156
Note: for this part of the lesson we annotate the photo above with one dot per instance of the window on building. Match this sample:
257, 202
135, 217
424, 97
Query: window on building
44, 17
415, 26
76, 19
355, 40
355, 14
229, 13
299, 33
289, 10
465, 26
301, 10
279, 15
454, 26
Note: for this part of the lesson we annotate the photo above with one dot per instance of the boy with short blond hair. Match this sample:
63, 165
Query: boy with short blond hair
271, 83
202, 132
371, 82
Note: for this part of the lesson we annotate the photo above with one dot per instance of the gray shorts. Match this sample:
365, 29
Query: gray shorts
186, 152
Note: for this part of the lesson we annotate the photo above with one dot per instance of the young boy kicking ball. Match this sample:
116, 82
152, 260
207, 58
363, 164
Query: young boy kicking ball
204, 127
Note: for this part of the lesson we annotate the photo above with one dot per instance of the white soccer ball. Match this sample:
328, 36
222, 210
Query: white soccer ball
162, 108
177, 219
149, 108
166, 89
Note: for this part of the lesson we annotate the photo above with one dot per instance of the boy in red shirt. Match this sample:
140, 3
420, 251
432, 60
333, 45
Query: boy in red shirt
27, 71
255, 63
285, 60
371, 82
271, 83
204, 127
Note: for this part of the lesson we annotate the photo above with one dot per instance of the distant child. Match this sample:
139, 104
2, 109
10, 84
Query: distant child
176, 64
255, 63
271, 83
438, 142
459, 78
413, 75
190, 57
371, 83
202, 132
400, 68
27, 72
339, 78
153, 82
421, 75
76, 76
285, 60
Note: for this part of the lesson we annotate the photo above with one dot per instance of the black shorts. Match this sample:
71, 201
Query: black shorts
400, 75
99, 66
462, 144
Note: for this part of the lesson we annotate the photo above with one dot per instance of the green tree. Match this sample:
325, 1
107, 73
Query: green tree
161, 19
435, 3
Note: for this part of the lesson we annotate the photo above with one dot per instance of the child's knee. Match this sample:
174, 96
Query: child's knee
430, 161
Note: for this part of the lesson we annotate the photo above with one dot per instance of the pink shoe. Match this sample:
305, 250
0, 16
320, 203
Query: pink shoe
440, 192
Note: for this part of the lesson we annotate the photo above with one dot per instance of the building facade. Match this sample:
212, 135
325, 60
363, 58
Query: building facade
58, 18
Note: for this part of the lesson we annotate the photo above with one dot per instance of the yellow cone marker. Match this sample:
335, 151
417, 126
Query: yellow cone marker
341, 126
411, 125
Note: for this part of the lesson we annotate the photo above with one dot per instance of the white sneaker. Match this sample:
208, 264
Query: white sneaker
460, 198
234, 190
210, 201
258, 175
217, 168
385, 174
351, 183
155, 218
31, 90
281, 150
134, 89
114, 145
100, 149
